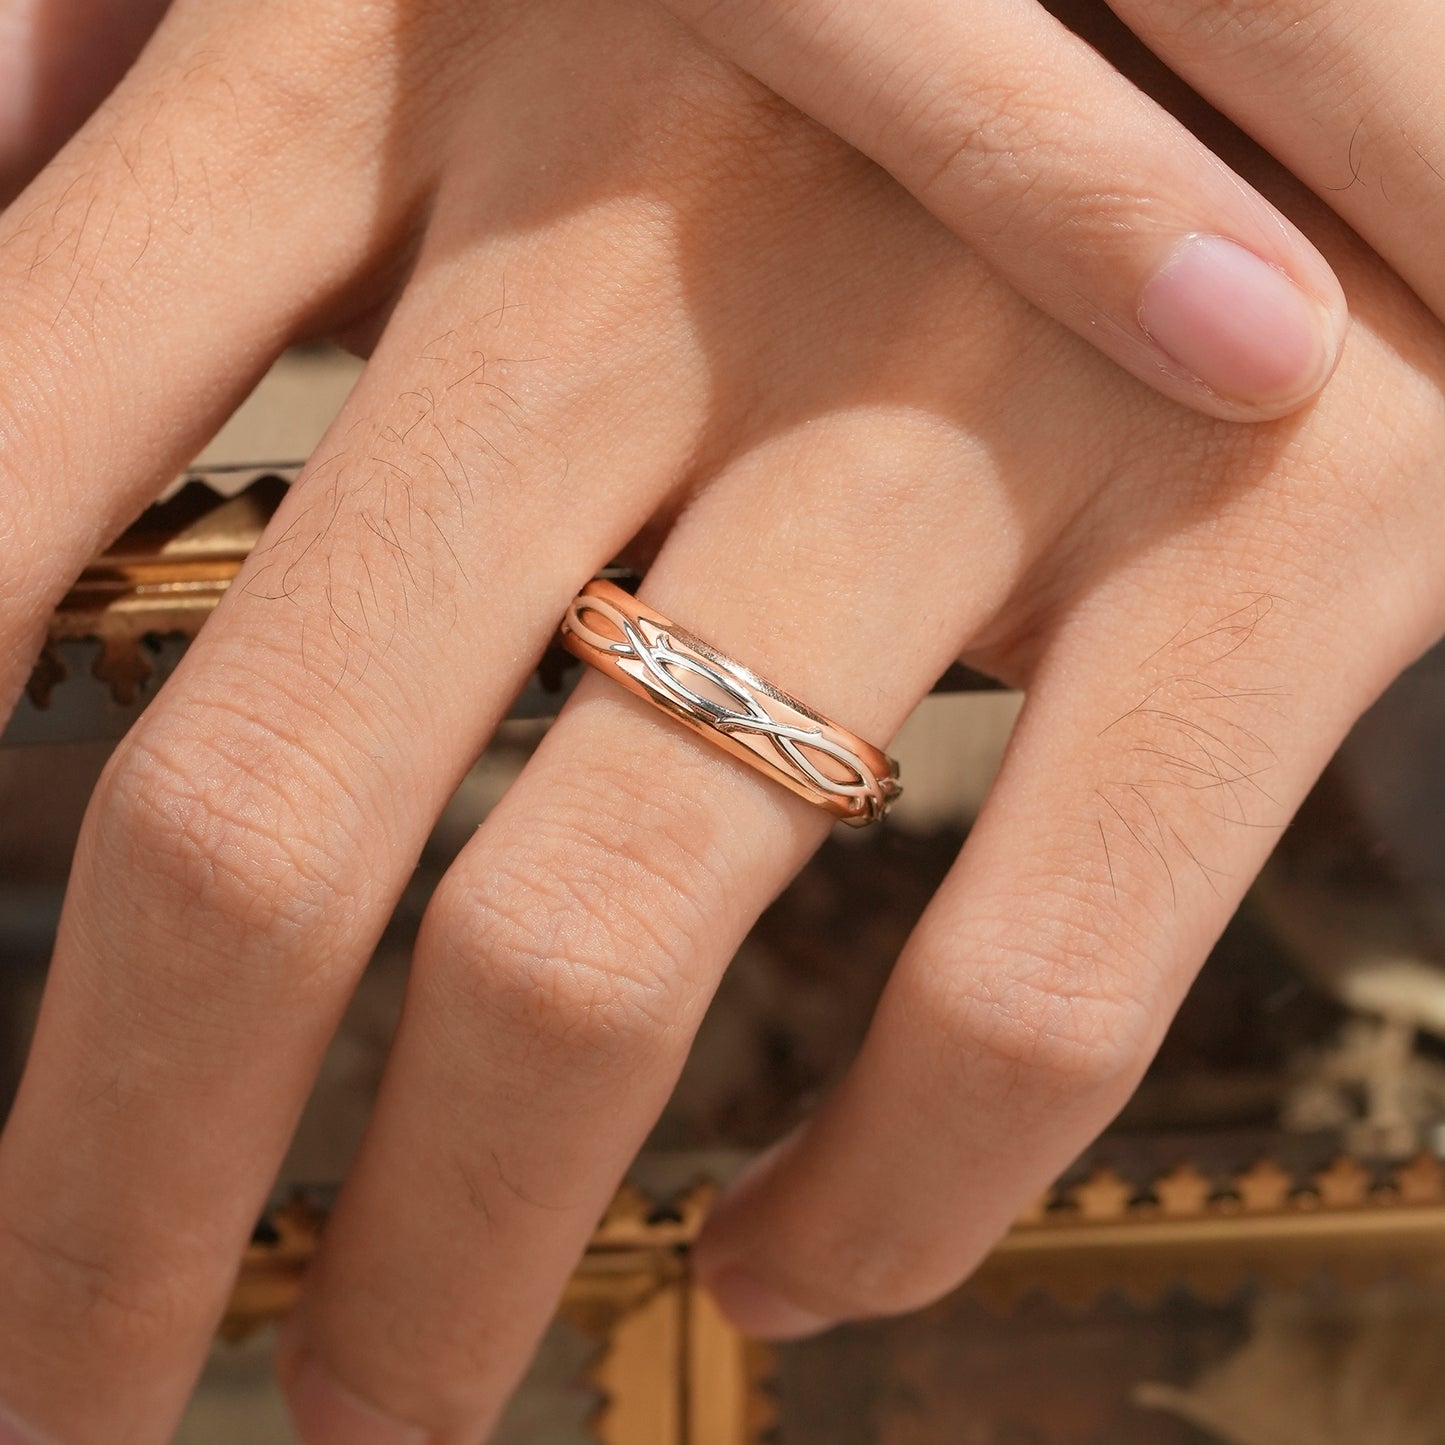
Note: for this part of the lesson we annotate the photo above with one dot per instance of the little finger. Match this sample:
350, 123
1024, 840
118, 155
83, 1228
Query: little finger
1135, 805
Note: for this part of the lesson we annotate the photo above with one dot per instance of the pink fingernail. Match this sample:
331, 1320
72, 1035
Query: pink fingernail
1237, 323
760, 1312
327, 1413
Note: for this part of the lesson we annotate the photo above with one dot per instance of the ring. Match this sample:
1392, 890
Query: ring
652, 656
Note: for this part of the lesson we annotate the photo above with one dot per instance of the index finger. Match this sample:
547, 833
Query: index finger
1350, 98
1088, 196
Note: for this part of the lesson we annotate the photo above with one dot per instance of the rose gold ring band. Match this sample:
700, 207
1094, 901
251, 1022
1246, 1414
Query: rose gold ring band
652, 656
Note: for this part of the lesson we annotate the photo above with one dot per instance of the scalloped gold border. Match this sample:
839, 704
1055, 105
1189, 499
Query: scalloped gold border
673, 1372
166, 573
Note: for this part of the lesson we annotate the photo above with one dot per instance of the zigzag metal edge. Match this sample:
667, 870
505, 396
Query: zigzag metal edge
162, 577
1344, 1206
663, 1347
165, 574
1213, 1236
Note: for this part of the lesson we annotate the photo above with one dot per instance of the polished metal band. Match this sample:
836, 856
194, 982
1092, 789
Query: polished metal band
722, 700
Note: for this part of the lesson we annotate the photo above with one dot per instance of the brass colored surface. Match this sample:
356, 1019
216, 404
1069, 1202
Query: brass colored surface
673, 1372
163, 576
166, 574
1212, 1238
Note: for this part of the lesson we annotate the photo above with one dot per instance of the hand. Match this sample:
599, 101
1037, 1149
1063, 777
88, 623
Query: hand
1085, 193
1350, 97
614, 287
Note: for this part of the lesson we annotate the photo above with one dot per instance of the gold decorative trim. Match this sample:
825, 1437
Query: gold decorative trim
164, 576
673, 1372
1211, 1236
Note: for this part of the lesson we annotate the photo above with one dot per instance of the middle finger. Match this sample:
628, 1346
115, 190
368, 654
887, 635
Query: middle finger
249, 839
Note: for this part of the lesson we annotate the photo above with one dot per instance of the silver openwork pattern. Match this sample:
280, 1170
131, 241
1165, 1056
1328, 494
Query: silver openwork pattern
669, 663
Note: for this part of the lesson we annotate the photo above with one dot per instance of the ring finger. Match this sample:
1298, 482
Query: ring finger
567, 958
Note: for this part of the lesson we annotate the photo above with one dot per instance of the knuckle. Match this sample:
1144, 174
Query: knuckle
229, 838
582, 937
1047, 1028
707, 130
982, 141
1011, 163
1053, 1018
274, 74
542, 962
288, 90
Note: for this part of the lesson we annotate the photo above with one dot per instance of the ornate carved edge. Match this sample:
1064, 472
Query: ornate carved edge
1212, 1235
164, 576
671, 1371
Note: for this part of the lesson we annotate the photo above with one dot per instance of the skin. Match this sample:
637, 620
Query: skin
1039, 154
1034, 150
57, 59
617, 296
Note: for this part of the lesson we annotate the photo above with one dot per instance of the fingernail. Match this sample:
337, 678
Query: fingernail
760, 1312
327, 1413
1238, 324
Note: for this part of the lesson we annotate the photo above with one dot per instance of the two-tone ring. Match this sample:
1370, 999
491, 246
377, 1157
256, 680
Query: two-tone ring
728, 704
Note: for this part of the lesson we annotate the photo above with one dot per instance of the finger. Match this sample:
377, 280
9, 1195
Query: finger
147, 278
1352, 100
245, 846
1136, 803
569, 954
1090, 198
58, 58
251, 836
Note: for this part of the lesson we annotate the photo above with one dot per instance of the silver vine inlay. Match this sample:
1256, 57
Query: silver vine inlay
655, 663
